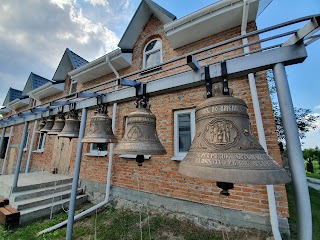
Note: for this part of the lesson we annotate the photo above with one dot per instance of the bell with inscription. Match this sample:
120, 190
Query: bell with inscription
224, 148
100, 128
141, 136
49, 124
71, 127
58, 125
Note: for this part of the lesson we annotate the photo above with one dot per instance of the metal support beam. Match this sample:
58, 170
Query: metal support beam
76, 174
236, 68
31, 146
7, 151
193, 63
23, 141
296, 161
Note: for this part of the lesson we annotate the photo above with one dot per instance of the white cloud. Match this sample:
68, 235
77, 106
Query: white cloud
98, 2
317, 107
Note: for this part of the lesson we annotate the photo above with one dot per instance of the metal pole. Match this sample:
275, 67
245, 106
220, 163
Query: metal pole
31, 146
76, 176
301, 192
7, 151
2, 138
23, 141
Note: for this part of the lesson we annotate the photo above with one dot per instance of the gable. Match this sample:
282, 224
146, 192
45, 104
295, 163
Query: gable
146, 9
34, 81
12, 95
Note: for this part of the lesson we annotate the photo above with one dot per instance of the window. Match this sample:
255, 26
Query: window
94, 151
41, 142
73, 87
184, 129
152, 54
25, 147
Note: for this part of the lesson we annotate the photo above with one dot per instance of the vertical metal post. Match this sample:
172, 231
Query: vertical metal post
2, 138
76, 176
7, 151
23, 141
301, 191
31, 145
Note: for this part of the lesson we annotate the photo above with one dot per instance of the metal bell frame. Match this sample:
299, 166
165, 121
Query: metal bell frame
224, 148
100, 126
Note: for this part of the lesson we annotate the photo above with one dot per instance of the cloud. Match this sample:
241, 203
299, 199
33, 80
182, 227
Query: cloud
317, 107
35, 39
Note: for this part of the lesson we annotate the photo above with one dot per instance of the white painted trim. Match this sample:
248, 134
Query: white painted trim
27, 141
151, 51
97, 153
132, 156
71, 85
181, 155
43, 142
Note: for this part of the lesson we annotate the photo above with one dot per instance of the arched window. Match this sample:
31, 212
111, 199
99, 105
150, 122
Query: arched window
152, 53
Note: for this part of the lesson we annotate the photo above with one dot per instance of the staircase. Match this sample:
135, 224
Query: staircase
40, 200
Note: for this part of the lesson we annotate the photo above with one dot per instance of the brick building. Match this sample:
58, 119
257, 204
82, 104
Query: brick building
153, 47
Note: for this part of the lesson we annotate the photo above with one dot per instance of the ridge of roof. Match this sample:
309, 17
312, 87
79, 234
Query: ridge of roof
75, 59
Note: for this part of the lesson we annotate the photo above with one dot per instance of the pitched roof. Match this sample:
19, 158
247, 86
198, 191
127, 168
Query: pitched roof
68, 62
12, 95
146, 9
34, 81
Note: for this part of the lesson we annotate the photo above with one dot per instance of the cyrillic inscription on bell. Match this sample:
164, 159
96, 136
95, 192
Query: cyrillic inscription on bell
224, 148
140, 137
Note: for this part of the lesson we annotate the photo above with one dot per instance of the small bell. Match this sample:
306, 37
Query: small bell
224, 148
41, 126
71, 127
49, 124
141, 136
100, 128
58, 125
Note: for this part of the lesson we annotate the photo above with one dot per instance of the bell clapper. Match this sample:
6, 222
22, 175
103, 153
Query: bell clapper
225, 186
140, 160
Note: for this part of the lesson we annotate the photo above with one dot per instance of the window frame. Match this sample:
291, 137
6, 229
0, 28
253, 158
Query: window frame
40, 149
151, 51
71, 85
179, 156
25, 147
95, 153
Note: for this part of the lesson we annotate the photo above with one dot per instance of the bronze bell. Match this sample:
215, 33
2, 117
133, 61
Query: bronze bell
140, 137
100, 128
58, 125
41, 125
71, 127
224, 148
49, 124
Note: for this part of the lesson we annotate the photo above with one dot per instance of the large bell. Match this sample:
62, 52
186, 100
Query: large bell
71, 127
49, 124
140, 137
224, 148
41, 126
58, 125
100, 129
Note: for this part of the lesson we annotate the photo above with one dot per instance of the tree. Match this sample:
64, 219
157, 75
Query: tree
305, 120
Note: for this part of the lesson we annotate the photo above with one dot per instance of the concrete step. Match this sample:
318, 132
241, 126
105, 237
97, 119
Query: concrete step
38, 192
41, 200
34, 213
42, 185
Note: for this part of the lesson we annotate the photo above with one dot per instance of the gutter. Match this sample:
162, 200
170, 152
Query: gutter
262, 138
106, 200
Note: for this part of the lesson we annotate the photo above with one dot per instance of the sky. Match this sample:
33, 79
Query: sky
34, 35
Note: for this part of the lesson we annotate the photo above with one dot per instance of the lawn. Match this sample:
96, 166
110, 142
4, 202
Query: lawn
316, 170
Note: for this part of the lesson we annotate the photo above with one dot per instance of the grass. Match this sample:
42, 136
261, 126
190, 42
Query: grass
115, 224
315, 206
316, 169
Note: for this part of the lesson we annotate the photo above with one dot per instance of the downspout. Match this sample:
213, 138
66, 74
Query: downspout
262, 138
106, 200
31, 146
7, 151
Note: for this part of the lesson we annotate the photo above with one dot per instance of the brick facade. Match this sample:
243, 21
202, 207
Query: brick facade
159, 174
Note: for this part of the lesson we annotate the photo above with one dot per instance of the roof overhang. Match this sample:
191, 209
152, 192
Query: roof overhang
4, 110
207, 21
46, 90
100, 66
18, 103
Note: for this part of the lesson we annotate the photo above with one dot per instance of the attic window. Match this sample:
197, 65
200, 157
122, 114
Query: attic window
152, 54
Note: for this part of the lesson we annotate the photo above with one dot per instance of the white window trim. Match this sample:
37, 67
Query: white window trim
41, 149
96, 153
179, 156
27, 141
151, 51
72, 83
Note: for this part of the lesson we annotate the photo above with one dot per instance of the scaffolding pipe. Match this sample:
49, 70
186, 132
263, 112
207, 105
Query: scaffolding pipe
7, 152
76, 174
23, 142
2, 138
31, 146
300, 186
